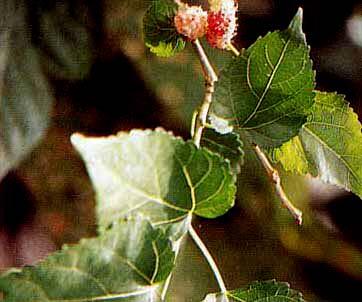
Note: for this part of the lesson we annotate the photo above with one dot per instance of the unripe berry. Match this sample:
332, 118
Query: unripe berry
221, 23
191, 21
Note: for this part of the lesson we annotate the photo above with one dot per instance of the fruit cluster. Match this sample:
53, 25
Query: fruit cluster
218, 25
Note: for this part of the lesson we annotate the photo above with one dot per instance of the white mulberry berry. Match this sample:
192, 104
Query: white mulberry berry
191, 21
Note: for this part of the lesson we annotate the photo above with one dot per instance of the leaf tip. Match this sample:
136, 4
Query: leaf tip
296, 25
76, 139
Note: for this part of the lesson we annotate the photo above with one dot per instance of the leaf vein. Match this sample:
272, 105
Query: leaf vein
268, 84
157, 264
206, 175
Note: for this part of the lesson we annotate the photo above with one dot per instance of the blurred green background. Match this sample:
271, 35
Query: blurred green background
86, 62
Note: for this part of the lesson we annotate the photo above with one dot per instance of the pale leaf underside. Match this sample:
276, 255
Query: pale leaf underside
158, 175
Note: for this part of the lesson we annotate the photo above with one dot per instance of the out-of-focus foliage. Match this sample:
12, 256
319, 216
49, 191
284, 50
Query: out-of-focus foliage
36, 40
25, 99
65, 33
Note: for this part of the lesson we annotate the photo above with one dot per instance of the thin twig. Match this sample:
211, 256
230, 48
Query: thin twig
209, 259
210, 79
274, 176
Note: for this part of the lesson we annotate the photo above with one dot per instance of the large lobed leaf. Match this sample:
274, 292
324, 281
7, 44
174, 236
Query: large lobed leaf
268, 291
268, 89
158, 175
127, 263
329, 145
159, 31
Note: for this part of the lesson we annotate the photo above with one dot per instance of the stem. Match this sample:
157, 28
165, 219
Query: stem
209, 72
210, 79
232, 48
193, 123
209, 259
199, 122
275, 178
176, 248
201, 118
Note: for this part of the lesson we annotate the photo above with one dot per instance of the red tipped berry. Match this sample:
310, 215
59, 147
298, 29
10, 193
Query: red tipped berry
191, 21
221, 23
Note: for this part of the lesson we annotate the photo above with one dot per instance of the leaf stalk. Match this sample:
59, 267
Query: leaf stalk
208, 258
275, 178
232, 48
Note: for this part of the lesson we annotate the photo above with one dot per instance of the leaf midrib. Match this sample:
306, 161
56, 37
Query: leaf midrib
144, 194
270, 80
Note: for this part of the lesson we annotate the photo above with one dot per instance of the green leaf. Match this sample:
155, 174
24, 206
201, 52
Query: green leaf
127, 263
332, 144
268, 89
158, 175
159, 31
268, 291
292, 156
25, 99
228, 145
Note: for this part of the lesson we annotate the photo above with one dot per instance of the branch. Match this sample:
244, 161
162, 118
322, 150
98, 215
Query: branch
275, 178
210, 78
